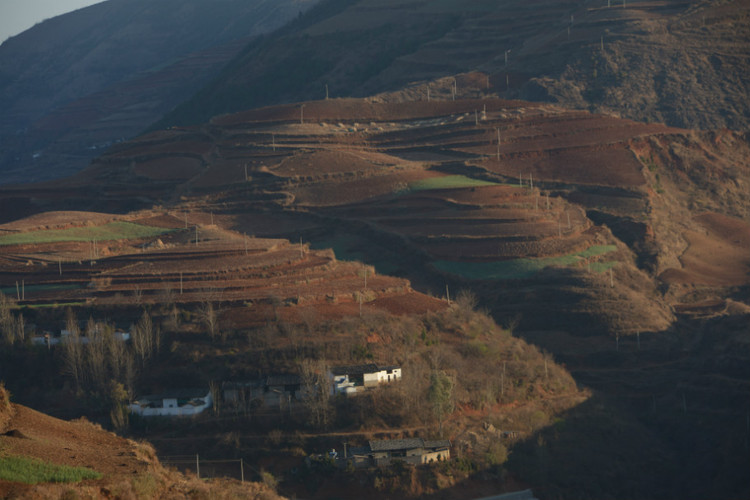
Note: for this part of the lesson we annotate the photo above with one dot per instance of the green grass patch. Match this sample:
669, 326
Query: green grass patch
523, 268
119, 230
448, 182
32, 471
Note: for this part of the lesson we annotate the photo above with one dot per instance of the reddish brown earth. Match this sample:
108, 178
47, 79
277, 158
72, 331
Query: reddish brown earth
719, 256
247, 274
129, 469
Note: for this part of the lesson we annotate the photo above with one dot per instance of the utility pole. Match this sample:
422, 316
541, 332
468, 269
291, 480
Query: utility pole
197, 466
428, 93
326, 91
447, 293
301, 114
498, 143
59, 265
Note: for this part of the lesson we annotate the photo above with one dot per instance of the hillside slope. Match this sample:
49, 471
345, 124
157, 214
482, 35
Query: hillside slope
619, 246
128, 469
74, 84
683, 63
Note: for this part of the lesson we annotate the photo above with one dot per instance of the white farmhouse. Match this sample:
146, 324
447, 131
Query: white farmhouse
181, 403
353, 379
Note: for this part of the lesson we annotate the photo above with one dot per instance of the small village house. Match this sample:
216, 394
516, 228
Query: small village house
179, 403
415, 451
352, 379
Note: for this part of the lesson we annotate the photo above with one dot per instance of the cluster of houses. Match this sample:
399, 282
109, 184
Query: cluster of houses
271, 391
415, 451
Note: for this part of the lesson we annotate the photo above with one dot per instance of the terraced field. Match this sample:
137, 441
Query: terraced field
201, 264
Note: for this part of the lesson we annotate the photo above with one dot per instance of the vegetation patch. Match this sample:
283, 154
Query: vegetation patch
448, 182
119, 230
523, 268
32, 471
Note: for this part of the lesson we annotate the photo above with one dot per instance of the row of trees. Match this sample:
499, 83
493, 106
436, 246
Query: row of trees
12, 326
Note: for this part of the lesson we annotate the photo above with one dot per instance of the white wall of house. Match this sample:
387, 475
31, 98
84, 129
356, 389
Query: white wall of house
170, 408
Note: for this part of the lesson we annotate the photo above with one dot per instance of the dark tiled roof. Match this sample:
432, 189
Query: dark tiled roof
357, 450
437, 445
291, 379
243, 385
196, 393
396, 444
355, 369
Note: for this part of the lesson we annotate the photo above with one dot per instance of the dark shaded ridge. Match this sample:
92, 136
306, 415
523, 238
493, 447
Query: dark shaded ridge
297, 66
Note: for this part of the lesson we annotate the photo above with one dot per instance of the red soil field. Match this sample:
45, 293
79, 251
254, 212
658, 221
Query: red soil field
718, 256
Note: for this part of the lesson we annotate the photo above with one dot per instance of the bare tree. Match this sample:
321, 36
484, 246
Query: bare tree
210, 318
96, 355
142, 336
7, 320
72, 350
316, 388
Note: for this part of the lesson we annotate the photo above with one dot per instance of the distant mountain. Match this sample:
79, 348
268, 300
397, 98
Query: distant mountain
76, 83
683, 63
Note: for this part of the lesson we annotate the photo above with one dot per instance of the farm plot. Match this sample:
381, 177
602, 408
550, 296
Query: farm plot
118, 230
329, 163
493, 249
520, 268
614, 166
328, 194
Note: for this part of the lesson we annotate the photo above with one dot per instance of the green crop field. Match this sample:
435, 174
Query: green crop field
32, 471
448, 182
523, 268
113, 231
